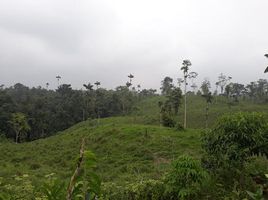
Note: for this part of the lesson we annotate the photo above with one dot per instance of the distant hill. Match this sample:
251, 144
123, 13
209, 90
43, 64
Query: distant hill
148, 110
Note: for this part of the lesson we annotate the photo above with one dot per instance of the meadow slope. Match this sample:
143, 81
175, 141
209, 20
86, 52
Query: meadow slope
125, 151
128, 148
147, 111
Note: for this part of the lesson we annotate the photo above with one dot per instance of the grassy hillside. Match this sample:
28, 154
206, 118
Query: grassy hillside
129, 149
125, 151
148, 110
135, 146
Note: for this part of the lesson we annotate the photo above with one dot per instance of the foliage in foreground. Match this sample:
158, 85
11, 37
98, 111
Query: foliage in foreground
186, 179
183, 181
235, 139
230, 149
84, 184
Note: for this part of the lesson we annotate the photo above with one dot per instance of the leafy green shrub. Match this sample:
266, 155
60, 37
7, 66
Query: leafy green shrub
229, 148
2, 137
167, 120
185, 178
258, 166
234, 139
150, 189
179, 127
5, 197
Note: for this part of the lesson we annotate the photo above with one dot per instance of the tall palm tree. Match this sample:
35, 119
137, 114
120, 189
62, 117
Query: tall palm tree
47, 84
128, 84
58, 79
97, 83
139, 88
87, 101
266, 70
88, 86
130, 76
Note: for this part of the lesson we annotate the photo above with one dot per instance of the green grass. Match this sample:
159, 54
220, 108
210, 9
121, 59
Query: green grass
129, 149
125, 151
149, 112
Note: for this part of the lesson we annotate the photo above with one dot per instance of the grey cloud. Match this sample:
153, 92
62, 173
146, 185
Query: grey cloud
105, 40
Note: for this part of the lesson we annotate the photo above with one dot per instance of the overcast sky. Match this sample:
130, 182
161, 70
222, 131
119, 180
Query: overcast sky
105, 40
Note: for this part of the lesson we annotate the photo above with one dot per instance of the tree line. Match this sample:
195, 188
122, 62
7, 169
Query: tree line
256, 91
31, 113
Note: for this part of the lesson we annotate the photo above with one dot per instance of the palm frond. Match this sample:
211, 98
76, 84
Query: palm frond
266, 70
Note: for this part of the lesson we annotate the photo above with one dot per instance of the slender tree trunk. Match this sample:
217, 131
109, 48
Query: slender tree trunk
83, 115
17, 137
76, 172
160, 118
123, 107
98, 116
221, 89
96, 103
207, 116
185, 103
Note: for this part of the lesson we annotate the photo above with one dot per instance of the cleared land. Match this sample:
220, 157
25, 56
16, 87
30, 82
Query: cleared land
129, 148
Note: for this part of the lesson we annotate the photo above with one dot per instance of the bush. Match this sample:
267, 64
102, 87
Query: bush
234, 139
179, 127
2, 138
185, 178
183, 181
258, 166
230, 146
167, 120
